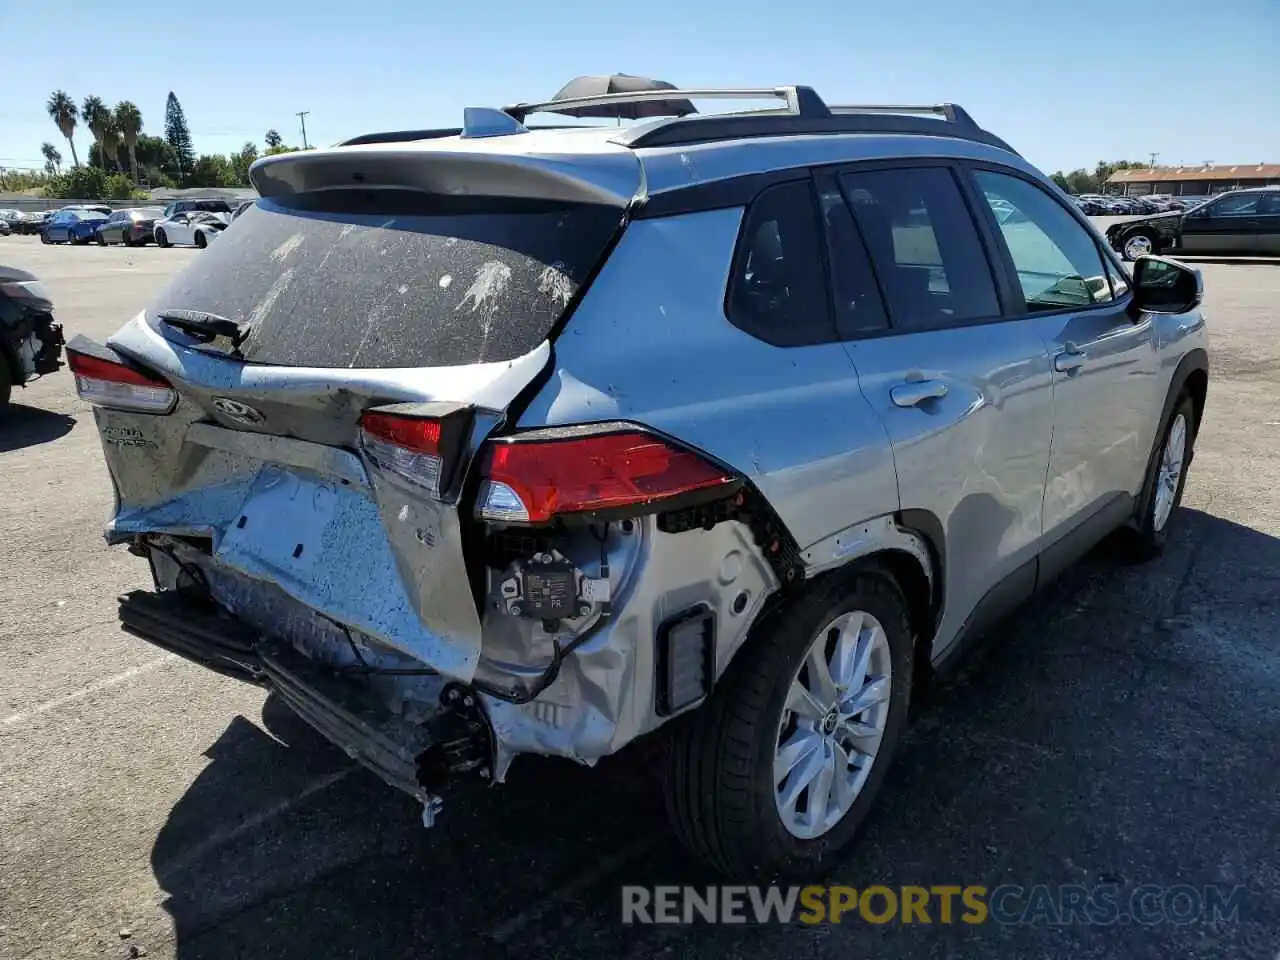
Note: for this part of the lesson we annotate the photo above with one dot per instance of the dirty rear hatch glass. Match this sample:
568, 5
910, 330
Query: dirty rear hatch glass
380, 279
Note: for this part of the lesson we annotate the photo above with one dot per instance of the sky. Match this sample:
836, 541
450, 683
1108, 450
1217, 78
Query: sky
1067, 84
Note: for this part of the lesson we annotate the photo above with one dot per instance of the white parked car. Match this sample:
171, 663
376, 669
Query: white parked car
191, 228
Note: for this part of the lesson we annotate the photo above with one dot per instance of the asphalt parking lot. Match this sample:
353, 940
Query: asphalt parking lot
1125, 730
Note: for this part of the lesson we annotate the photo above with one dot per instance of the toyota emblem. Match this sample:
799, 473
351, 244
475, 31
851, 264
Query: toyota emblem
237, 411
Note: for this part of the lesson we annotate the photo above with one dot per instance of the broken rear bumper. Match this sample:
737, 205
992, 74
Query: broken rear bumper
418, 757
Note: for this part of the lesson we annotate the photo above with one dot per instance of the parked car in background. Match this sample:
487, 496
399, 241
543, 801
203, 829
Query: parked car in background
191, 228
191, 206
458, 481
1242, 222
72, 225
5, 229
10, 219
133, 228
30, 339
31, 223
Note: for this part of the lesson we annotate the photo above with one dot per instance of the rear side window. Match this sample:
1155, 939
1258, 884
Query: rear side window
367, 279
924, 246
1056, 259
778, 288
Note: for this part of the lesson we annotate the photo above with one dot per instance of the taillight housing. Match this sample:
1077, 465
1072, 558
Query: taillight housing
420, 443
106, 383
593, 472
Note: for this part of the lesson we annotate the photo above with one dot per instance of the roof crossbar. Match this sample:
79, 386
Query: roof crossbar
799, 101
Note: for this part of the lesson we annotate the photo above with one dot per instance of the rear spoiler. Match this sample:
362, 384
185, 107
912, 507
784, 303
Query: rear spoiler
611, 177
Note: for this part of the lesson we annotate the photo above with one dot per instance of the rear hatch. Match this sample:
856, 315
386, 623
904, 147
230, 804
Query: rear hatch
336, 361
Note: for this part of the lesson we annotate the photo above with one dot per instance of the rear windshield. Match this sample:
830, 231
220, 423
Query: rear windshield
347, 279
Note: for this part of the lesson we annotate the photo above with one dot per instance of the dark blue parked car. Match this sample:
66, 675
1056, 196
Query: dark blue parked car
72, 226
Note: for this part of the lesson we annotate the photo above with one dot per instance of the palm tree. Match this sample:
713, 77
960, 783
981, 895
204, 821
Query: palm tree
129, 123
110, 143
52, 158
273, 139
96, 117
62, 109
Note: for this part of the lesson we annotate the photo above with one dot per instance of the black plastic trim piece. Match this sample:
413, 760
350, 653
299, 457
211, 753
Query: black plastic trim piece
736, 191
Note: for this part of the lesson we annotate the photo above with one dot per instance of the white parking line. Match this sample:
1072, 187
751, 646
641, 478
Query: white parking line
16, 718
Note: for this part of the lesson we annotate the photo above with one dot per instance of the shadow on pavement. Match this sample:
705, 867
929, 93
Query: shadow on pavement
1114, 732
22, 426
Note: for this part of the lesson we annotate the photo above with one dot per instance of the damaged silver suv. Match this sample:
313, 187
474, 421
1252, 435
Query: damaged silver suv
502, 440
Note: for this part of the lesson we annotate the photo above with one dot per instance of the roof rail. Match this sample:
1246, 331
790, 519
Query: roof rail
936, 120
799, 101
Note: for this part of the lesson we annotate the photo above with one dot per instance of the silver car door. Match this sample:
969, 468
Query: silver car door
963, 390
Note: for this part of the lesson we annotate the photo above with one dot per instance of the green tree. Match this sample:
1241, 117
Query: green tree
157, 161
52, 158
1081, 181
129, 123
97, 118
62, 109
212, 170
1061, 180
178, 134
90, 183
242, 161
273, 139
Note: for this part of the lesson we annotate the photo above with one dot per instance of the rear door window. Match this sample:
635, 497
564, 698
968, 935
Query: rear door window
373, 280
924, 246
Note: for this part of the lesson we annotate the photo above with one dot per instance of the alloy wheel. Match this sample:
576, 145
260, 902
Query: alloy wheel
833, 723
1170, 472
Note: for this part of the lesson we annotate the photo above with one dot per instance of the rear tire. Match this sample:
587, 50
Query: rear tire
1162, 488
201, 240
162, 239
102, 241
44, 237
722, 796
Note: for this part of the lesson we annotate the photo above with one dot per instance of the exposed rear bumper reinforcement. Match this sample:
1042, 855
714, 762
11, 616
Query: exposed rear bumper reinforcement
386, 744
192, 627
417, 758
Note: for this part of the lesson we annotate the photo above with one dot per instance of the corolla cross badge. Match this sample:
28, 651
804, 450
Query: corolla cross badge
237, 411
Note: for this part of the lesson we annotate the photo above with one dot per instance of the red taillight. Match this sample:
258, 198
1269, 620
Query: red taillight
406, 446
421, 434
110, 384
534, 481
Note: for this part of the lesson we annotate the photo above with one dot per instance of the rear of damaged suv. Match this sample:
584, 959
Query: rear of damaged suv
334, 439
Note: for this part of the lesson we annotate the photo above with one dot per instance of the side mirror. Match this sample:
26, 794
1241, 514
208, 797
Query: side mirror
1161, 285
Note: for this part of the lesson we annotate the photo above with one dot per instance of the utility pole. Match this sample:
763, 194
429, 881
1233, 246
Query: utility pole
1154, 158
302, 115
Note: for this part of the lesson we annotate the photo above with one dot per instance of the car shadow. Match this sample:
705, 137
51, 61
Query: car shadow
1052, 745
22, 426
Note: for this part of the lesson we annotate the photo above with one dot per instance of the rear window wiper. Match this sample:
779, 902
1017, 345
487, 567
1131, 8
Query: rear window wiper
206, 326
